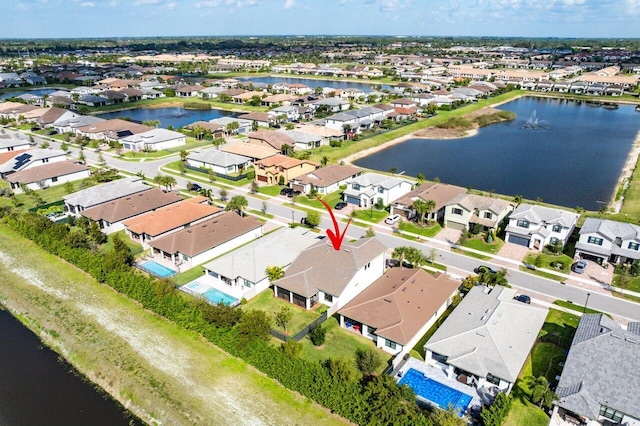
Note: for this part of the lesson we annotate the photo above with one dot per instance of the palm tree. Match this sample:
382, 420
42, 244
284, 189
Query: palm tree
399, 253
540, 392
233, 127
208, 193
420, 206
274, 273
237, 203
415, 257
430, 205
183, 155
420, 178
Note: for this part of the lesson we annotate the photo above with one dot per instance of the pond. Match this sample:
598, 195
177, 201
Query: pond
174, 116
566, 153
313, 83
35, 92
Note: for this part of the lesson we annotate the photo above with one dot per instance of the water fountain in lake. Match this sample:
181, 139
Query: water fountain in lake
534, 122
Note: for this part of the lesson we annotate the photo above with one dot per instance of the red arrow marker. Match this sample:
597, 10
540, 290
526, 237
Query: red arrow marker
335, 237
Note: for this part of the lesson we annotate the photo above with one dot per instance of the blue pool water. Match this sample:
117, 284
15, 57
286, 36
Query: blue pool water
216, 297
435, 392
154, 268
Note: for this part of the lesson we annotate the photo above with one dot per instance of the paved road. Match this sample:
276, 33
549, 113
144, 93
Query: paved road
457, 263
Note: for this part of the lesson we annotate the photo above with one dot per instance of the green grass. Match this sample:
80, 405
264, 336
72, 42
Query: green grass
188, 276
49, 195
202, 177
627, 282
271, 305
478, 243
340, 343
524, 413
368, 215
419, 347
559, 328
175, 101
273, 190
259, 213
133, 246
548, 261
332, 199
574, 307
425, 231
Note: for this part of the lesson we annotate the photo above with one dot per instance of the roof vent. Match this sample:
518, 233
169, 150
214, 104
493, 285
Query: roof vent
617, 336
387, 300
487, 311
480, 333
482, 318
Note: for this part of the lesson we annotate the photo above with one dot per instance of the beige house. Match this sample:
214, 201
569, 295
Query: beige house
440, 193
467, 209
271, 169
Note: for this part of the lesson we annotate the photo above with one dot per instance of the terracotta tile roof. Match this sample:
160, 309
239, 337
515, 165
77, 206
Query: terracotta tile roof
249, 150
207, 234
284, 162
275, 139
46, 171
401, 302
441, 193
132, 205
168, 218
406, 111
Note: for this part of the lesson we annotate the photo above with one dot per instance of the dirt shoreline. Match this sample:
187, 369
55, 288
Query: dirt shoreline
625, 176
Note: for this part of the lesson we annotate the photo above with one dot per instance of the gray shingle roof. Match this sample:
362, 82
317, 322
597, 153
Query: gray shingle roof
106, 192
610, 229
601, 368
539, 214
218, 158
489, 333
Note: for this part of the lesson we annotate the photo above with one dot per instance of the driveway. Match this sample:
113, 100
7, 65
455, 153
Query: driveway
594, 272
512, 251
448, 235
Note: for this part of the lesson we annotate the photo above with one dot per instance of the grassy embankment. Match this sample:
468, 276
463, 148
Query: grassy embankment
159, 371
176, 102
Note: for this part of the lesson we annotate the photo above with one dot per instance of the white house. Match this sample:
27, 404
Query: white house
291, 112
32, 158
303, 140
537, 226
47, 175
467, 209
322, 274
399, 307
89, 197
9, 143
219, 161
371, 188
608, 241
154, 140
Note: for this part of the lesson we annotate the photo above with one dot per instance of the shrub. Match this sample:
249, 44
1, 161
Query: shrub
318, 335
291, 349
368, 360
335, 143
495, 414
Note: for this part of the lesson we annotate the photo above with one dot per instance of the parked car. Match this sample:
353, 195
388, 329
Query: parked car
293, 193
529, 266
341, 205
393, 219
484, 268
194, 187
523, 298
579, 266
285, 191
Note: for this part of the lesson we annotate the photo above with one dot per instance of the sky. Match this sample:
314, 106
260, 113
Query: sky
141, 18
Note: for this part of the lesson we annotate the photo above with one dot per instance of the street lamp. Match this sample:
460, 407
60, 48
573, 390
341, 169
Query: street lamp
292, 219
586, 303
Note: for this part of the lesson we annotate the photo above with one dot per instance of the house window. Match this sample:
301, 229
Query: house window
488, 215
380, 190
557, 228
356, 187
390, 344
523, 223
457, 211
554, 240
634, 246
438, 358
247, 283
595, 240
185, 257
367, 266
328, 297
45, 160
493, 379
610, 413
54, 179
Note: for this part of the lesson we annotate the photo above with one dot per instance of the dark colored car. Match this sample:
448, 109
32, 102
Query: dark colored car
529, 266
285, 191
195, 187
293, 193
523, 298
484, 268
579, 266
341, 205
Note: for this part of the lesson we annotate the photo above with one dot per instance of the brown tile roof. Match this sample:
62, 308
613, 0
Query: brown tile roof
403, 101
46, 171
132, 205
401, 302
328, 175
282, 97
232, 92
170, 217
384, 107
212, 127
258, 116
51, 115
321, 267
249, 150
206, 235
406, 111
8, 156
441, 193
115, 125
275, 139
284, 162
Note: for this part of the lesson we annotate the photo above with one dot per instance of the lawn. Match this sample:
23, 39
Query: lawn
559, 328
133, 246
419, 347
340, 343
273, 190
332, 199
202, 177
188, 276
369, 215
575, 307
425, 231
48, 195
627, 282
478, 243
549, 261
267, 302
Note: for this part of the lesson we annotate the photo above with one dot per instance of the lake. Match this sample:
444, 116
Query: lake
37, 389
313, 83
573, 158
36, 92
174, 116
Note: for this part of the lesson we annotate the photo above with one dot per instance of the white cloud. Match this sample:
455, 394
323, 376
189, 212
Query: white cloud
208, 3
88, 4
23, 6
289, 4
170, 6
114, 3
143, 2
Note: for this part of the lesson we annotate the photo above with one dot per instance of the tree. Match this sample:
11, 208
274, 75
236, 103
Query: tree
81, 157
183, 155
217, 142
399, 254
368, 360
101, 158
369, 233
324, 161
312, 219
283, 316
518, 199
233, 127
68, 188
448, 417
318, 335
286, 149
254, 126
254, 325
540, 392
497, 412
415, 257
237, 203
263, 209
274, 273
152, 123
254, 187
223, 194
339, 369
393, 170
421, 208
291, 349
64, 146
220, 315
420, 178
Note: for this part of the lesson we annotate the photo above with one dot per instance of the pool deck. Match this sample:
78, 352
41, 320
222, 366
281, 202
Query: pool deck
200, 286
436, 374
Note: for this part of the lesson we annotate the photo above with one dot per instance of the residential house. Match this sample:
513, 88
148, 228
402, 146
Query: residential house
242, 272
303, 140
243, 125
599, 384
220, 162
332, 104
469, 209
326, 179
278, 100
112, 130
373, 188
86, 198
245, 97
154, 140
322, 274
216, 130
163, 221
205, 240
187, 91
291, 112
355, 119
262, 119
112, 214
46, 175
404, 103
440, 193
324, 132
399, 308
55, 115
270, 138
537, 226
30, 159
10, 143
603, 240
487, 338
280, 169
72, 124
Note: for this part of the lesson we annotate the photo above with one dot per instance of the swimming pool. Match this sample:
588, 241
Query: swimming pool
216, 296
435, 392
154, 268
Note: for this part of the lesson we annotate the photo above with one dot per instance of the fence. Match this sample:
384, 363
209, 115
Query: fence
220, 175
46, 206
300, 334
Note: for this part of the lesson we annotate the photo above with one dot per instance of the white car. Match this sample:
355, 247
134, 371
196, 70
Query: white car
393, 219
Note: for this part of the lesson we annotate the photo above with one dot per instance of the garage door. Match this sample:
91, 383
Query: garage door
518, 240
262, 178
353, 200
455, 225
